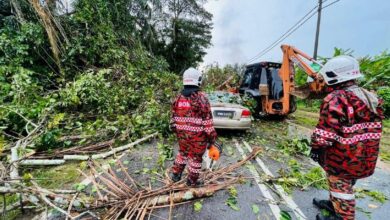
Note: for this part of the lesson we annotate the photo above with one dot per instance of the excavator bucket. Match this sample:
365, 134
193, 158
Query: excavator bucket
302, 92
305, 92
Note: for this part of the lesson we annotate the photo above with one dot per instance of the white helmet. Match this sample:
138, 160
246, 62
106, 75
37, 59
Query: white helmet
340, 69
192, 77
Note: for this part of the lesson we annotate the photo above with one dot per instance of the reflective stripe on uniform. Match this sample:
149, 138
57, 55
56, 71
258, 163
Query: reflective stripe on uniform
209, 129
189, 128
362, 126
322, 141
207, 122
344, 196
352, 140
196, 121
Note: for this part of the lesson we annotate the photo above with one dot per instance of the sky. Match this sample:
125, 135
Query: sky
243, 28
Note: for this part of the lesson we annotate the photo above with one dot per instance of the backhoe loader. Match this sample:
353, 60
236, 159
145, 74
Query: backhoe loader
272, 85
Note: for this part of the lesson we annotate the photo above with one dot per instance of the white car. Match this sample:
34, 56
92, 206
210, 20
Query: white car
228, 112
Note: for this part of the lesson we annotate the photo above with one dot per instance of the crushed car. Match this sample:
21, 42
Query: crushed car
228, 111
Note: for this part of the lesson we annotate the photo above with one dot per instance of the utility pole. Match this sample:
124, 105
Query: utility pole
318, 29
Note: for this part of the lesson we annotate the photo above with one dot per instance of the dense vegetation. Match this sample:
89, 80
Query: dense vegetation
103, 70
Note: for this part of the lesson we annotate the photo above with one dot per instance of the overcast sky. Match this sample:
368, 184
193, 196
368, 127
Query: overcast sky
242, 28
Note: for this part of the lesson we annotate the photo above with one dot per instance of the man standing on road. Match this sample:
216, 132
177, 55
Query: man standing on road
192, 122
346, 139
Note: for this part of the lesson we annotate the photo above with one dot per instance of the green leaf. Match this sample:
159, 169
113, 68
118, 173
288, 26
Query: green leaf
255, 209
198, 206
79, 186
233, 192
232, 203
285, 215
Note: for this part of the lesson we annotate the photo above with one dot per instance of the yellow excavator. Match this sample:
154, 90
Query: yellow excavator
272, 85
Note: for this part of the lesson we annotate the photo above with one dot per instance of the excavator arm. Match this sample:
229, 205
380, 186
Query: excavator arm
291, 57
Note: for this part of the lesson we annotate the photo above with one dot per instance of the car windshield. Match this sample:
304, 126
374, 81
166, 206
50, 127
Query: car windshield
224, 97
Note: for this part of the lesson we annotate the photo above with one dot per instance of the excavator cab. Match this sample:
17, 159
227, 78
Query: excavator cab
263, 79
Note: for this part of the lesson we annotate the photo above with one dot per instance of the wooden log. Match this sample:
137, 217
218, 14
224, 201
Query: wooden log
14, 173
42, 162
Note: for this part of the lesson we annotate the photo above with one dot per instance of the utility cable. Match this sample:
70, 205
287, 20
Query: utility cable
291, 28
290, 31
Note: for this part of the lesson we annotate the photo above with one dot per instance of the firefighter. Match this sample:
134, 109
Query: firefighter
346, 139
192, 122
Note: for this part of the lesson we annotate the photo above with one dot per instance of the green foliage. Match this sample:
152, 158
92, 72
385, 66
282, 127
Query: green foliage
198, 206
186, 33
108, 83
250, 103
384, 93
255, 209
284, 215
375, 195
298, 177
165, 152
295, 146
232, 200
214, 76
376, 71
58, 177
48, 140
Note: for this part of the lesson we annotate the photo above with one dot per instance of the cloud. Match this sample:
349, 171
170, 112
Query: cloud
243, 28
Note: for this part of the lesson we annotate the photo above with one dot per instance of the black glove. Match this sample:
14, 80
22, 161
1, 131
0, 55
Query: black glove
315, 154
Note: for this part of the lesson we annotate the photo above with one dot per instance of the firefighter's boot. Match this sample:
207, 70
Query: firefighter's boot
197, 183
331, 216
324, 204
175, 177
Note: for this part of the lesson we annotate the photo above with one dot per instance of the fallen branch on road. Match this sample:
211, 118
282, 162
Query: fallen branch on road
70, 157
129, 201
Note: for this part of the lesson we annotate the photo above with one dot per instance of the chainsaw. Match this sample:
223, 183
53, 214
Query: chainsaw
210, 162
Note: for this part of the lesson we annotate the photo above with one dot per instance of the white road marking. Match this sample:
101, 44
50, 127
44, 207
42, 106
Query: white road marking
263, 188
290, 202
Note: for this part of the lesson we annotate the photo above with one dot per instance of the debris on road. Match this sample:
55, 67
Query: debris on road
136, 201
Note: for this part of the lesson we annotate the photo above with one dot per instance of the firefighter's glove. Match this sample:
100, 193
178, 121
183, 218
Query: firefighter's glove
215, 151
315, 154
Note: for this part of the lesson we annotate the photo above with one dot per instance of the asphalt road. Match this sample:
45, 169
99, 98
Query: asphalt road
270, 199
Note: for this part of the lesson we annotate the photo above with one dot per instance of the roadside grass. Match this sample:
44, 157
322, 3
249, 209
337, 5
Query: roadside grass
309, 105
303, 118
59, 177
10, 199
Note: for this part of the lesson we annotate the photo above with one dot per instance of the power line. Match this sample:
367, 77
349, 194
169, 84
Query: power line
290, 31
329, 4
296, 28
292, 27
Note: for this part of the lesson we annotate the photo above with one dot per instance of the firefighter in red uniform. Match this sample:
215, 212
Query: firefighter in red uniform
192, 122
346, 139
